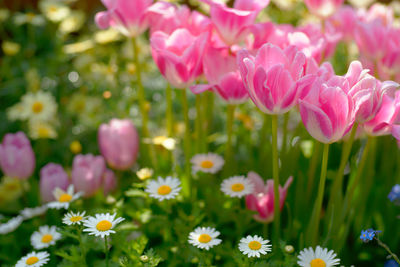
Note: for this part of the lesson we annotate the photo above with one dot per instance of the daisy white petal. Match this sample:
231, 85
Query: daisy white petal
204, 237
320, 257
11, 225
253, 246
72, 218
209, 163
101, 224
45, 237
237, 186
64, 198
34, 259
161, 189
29, 213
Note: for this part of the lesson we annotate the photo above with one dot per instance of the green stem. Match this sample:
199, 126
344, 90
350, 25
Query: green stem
198, 125
353, 185
142, 99
313, 167
83, 251
336, 190
275, 175
313, 229
285, 132
230, 116
106, 249
380, 243
264, 149
186, 144
169, 111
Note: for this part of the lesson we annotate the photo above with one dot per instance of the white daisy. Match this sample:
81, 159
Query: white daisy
41, 130
34, 259
162, 189
64, 198
237, 186
45, 237
102, 224
321, 257
29, 213
38, 106
11, 225
74, 218
210, 163
253, 246
204, 237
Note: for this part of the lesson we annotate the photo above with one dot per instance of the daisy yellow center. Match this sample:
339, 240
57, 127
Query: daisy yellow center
37, 107
104, 226
43, 132
254, 245
237, 187
75, 218
47, 238
53, 9
204, 238
164, 190
207, 164
65, 198
317, 263
32, 260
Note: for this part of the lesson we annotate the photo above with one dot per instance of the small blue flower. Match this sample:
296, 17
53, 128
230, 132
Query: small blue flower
394, 195
391, 263
368, 235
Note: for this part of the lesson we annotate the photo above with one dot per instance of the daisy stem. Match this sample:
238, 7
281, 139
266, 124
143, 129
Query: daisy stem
313, 227
142, 99
380, 243
275, 175
83, 252
186, 144
106, 249
230, 115
169, 111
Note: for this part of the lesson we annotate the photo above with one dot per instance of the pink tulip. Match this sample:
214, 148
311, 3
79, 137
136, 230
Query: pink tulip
233, 24
52, 176
221, 70
109, 182
167, 17
378, 12
272, 77
129, 17
262, 199
17, 159
387, 116
323, 8
87, 173
371, 39
178, 56
327, 110
344, 22
119, 143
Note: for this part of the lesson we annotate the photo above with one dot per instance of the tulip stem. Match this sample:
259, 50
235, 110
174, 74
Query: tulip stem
230, 115
336, 190
312, 169
169, 111
141, 98
313, 226
285, 132
275, 175
198, 125
186, 144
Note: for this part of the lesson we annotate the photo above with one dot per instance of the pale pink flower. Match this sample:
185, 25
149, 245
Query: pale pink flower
52, 176
323, 8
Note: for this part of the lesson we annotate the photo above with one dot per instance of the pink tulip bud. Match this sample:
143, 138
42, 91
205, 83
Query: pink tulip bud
129, 17
87, 173
109, 182
178, 56
119, 143
327, 110
262, 199
323, 8
17, 159
222, 73
52, 176
272, 77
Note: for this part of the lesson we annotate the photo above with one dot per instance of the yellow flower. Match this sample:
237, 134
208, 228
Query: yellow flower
73, 22
166, 142
29, 18
41, 130
4, 14
10, 48
10, 189
107, 36
39, 106
78, 47
144, 173
54, 10
75, 147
